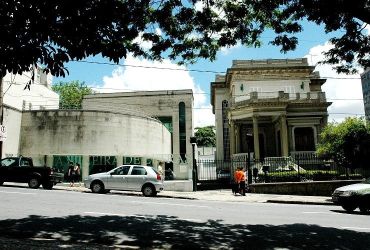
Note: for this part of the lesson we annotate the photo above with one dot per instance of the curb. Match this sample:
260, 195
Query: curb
301, 202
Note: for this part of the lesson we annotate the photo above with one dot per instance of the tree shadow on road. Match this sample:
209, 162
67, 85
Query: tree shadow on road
167, 232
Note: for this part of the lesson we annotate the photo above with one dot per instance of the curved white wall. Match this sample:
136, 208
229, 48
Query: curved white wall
85, 132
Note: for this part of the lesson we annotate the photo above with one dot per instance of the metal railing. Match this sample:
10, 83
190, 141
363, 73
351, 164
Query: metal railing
306, 167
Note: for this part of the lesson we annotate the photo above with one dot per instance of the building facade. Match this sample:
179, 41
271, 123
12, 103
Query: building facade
268, 108
97, 139
174, 108
17, 99
365, 81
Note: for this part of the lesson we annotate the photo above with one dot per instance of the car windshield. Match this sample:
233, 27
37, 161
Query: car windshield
7, 162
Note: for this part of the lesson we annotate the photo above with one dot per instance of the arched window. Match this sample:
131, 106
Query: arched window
182, 130
225, 130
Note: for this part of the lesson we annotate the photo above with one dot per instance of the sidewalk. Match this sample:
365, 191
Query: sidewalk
224, 195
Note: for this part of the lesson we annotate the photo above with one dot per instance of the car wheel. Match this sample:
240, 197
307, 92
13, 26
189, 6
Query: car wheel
149, 190
34, 183
349, 207
48, 185
97, 187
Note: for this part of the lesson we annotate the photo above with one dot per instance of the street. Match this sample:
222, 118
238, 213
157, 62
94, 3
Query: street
59, 218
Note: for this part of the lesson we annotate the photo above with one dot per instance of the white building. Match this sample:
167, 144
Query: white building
269, 108
17, 99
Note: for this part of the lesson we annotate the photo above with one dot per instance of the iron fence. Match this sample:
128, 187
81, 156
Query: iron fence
308, 167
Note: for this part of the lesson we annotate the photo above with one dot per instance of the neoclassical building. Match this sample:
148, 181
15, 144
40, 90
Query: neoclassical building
272, 107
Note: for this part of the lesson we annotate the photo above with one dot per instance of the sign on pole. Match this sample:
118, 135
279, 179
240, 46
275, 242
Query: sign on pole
2, 132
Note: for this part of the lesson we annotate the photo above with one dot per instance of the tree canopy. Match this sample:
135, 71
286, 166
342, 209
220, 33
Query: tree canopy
71, 94
348, 143
52, 33
206, 136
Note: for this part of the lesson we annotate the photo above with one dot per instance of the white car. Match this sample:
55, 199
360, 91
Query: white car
352, 196
144, 179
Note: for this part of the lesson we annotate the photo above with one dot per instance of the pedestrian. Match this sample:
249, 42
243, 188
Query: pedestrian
240, 177
160, 168
70, 174
243, 179
77, 174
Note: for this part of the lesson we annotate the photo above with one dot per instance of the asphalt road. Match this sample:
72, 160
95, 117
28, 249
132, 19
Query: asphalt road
51, 219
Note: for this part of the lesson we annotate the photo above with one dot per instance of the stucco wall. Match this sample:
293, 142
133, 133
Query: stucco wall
12, 122
92, 133
221, 95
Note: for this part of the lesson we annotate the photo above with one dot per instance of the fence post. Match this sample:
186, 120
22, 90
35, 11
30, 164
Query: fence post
299, 176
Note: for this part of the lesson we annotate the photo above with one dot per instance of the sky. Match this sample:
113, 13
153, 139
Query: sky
345, 92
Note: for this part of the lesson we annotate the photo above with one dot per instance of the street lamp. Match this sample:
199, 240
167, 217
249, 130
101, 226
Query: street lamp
193, 141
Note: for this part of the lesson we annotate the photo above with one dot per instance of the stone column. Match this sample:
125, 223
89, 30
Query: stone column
119, 160
143, 161
85, 166
256, 140
232, 138
237, 138
284, 136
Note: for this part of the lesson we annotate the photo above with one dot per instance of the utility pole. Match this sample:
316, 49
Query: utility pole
1, 112
193, 141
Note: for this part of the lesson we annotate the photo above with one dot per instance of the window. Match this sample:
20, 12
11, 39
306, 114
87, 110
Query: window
304, 139
225, 135
138, 171
25, 163
122, 170
289, 89
182, 130
7, 162
256, 89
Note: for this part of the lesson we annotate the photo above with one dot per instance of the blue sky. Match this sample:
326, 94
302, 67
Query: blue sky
346, 94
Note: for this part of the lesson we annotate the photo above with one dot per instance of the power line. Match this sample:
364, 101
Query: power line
152, 67
198, 70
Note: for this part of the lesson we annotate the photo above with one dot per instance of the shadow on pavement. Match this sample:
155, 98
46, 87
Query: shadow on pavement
166, 232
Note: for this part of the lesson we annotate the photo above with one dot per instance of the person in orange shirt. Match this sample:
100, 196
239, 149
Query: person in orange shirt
239, 177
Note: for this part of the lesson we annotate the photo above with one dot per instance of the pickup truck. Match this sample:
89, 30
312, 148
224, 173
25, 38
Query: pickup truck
21, 169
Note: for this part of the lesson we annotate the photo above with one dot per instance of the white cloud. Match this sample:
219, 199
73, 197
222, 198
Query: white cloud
145, 75
345, 93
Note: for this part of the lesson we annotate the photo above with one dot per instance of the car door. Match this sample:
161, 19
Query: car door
137, 178
9, 168
118, 178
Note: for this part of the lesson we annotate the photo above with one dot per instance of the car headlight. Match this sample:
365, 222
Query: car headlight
347, 193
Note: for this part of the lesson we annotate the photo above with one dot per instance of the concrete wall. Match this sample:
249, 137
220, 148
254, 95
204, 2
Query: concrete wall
312, 188
88, 133
12, 122
220, 95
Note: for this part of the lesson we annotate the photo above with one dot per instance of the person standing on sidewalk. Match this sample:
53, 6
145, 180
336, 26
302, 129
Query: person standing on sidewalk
240, 180
77, 174
160, 169
70, 174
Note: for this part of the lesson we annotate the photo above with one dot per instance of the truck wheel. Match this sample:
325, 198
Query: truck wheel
34, 183
363, 209
349, 207
97, 187
48, 185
